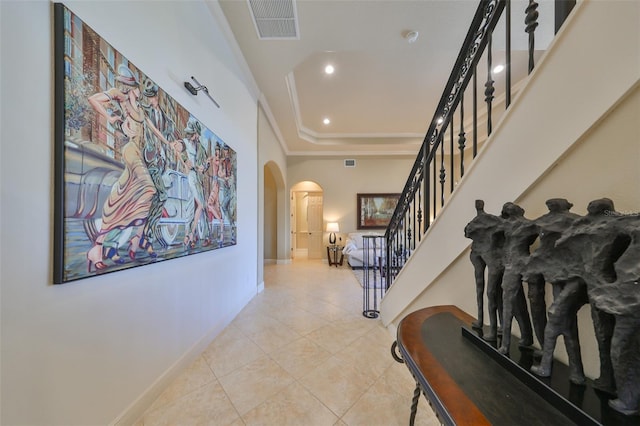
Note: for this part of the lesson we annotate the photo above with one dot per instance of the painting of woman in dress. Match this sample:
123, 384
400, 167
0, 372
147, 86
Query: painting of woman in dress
130, 198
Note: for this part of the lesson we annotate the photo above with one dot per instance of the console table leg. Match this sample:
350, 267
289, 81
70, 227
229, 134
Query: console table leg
394, 354
414, 404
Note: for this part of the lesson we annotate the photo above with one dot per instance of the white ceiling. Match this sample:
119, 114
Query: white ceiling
384, 90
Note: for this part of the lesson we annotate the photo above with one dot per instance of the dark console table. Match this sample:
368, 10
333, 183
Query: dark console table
468, 382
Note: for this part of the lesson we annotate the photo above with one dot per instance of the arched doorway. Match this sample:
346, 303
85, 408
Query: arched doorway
307, 220
274, 218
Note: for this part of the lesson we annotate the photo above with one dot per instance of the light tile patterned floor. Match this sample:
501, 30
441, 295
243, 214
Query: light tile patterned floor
300, 353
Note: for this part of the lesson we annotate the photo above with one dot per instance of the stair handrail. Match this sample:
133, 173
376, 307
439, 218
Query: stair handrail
416, 207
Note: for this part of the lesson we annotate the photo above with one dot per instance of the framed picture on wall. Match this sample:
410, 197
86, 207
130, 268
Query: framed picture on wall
138, 178
375, 210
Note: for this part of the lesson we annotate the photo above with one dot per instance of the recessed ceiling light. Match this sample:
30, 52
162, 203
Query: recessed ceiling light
411, 36
326, 121
329, 69
498, 68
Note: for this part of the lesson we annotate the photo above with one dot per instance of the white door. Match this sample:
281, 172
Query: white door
314, 220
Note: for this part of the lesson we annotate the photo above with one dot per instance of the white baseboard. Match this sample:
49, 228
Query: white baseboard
392, 329
137, 409
270, 261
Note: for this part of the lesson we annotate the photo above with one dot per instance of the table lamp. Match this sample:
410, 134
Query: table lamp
332, 227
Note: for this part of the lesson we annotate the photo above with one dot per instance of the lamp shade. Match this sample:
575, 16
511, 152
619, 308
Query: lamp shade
333, 227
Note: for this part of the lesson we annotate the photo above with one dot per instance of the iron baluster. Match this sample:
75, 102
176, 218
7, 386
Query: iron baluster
408, 232
489, 89
413, 212
451, 159
398, 249
507, 47
405, 243
435, 195
419, 215
443, 173
427, 190
461, 136
562, 11
531, 22
475, 112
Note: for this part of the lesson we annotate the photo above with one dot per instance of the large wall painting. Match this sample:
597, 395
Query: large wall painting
138, 179
375, 210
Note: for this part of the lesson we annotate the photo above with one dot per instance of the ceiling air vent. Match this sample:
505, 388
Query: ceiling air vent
275, 19
349, 163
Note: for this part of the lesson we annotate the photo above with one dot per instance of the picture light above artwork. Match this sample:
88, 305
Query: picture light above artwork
194, 89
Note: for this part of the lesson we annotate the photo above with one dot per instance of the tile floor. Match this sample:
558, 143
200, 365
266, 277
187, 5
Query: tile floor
300, 353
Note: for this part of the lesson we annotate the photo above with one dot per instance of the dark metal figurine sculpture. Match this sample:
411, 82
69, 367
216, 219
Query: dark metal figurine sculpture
486, 253
594, 258
519, 234
608, 245
568, 295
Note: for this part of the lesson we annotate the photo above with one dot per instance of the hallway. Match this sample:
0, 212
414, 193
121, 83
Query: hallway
300, 353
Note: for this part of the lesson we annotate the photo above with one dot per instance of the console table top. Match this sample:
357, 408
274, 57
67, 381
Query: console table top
464, 385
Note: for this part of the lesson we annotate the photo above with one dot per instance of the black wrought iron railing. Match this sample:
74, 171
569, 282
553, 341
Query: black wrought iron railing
464, 118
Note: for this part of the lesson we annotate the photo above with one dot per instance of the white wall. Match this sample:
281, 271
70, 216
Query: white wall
341, 184
98, 350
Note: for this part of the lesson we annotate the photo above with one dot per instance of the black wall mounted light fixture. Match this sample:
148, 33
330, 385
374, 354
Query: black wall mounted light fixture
195, 89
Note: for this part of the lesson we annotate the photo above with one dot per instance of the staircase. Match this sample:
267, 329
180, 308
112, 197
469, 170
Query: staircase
572, 131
